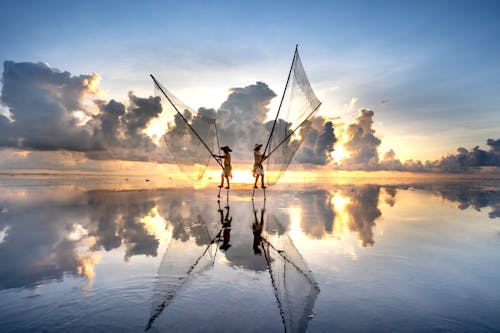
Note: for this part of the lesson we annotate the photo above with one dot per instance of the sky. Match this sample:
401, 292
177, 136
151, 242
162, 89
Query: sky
428, 70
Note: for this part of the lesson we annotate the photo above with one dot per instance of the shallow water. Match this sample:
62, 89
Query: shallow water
82, 254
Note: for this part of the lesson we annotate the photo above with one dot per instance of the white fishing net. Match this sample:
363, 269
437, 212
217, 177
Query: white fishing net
191, 140
298, 104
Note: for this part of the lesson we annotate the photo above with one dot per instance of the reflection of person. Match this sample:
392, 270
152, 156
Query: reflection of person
227, 169
257, 227
226, 228
258, 169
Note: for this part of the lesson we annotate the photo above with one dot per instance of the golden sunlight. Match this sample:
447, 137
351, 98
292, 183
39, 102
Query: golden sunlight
295, 223
340, 153
243, 177
86, 267
155, 224
342, 217
92, 85
157, 127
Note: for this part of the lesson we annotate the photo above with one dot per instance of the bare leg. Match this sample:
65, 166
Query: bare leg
227, 179
256, 180
221, 181
262, 182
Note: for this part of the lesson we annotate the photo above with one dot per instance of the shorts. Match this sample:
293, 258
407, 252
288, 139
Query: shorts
227, 171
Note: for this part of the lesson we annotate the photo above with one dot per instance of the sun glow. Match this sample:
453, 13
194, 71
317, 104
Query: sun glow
243, 177
157, 127
295, 223
87, 265
155, 224
340, 153
342, 217
92, 85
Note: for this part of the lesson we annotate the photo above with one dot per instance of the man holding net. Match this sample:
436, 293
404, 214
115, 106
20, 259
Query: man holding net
258, 168
227, 169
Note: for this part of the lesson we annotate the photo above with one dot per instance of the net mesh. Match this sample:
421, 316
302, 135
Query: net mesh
192, 151
294, 285
299, 103
190, 252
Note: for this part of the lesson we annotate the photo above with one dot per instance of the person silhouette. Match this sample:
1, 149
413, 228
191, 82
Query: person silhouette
227, 168
258, 169
225, 221
257, 228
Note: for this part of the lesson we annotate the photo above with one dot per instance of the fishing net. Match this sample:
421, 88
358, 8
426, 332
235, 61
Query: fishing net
294, 285
190, 252
191, 140
291, 125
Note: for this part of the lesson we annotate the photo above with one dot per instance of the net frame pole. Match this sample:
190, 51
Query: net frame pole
218, 147
180, 114
295, 130
217, 135
282, 98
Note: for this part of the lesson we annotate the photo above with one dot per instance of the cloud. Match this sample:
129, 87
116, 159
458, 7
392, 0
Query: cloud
36, 246
45, 234
46, 109
466, 160
318, 142
364, 211
116, 220
120, 130
361, 143
466, 196
241, 118
43, 102
352, 103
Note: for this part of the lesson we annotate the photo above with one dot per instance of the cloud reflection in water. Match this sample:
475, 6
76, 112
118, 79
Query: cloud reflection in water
47, 233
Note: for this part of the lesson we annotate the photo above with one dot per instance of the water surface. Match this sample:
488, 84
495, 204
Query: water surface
101, 254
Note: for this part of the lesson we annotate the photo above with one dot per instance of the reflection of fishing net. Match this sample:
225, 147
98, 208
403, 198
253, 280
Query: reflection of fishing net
186, 256
299, 103
294, 285
192, 153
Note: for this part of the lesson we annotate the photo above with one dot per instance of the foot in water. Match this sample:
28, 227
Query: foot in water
263, 187
255, 186
220, 186
227, 187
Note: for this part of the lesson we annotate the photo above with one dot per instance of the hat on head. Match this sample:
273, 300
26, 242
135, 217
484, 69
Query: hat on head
257, 146
225, 149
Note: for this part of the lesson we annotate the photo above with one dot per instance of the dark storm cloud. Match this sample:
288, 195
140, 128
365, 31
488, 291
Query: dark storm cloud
47, 112
46, 104
42, 101
467, 160
318, 141
120, 129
